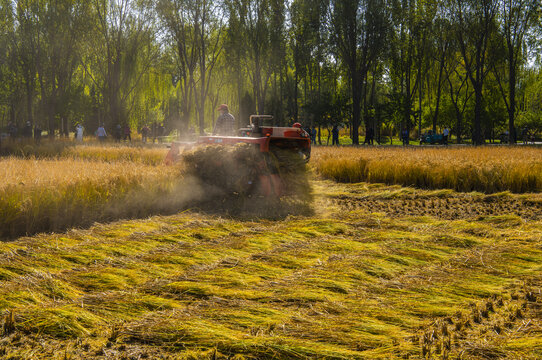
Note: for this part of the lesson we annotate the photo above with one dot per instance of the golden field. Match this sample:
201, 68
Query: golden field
61, 185
485, 169
93, 151
358, 271
44, 195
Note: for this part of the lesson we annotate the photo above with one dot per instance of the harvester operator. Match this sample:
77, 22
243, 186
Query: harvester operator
225, 124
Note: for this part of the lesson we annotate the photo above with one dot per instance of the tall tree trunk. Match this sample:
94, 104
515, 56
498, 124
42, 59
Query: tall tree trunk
512, 108
477, 137
296, 114
458, 125
420, 97
439, 88
356, 106
29, 100
241, 118
258, 85
201, 102
51, 118
407, 101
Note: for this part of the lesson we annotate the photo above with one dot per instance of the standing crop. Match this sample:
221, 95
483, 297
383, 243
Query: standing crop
43, 195
486, 169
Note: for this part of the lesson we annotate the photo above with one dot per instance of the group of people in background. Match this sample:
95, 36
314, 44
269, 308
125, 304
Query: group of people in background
119, 133
405, 136
312, 133
26, 132
125, 133
224, 126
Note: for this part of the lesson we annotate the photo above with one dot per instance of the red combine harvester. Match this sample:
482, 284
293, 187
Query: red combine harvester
278, 151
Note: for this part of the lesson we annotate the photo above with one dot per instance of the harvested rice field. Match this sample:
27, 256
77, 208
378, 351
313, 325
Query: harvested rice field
358, 271
345, 283
397, 201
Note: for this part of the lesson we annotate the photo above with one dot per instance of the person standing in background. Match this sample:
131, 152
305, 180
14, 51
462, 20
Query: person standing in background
144, 133
117, 133
154, 130
37, 133
101, 134
445, 134
405, 136
79, 129
27, 130
369, 136
161, 133
335, 135
313, 134
127, 133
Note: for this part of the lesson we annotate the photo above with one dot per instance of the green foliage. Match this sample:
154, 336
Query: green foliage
381, 64
530, 118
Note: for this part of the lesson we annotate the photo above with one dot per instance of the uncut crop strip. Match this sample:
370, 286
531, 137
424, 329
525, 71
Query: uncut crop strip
486, 169
48, 195
148, 156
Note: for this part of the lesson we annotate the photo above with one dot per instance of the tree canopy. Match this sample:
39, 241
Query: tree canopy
473, 66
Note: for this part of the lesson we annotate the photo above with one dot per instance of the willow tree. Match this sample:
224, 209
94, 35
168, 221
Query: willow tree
58, 33
195, 29
360, 28
474, 26
516, 17
9, 84
180, 39
264, 31
307, 44
121, 49
235, 43
24, 50
208, 25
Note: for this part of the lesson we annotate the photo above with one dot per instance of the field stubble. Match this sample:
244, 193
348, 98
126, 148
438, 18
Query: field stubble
398, 201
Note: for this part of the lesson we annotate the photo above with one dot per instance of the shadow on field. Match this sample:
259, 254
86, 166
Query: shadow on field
190, 194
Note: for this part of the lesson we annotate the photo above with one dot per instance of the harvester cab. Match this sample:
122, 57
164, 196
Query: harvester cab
275, 154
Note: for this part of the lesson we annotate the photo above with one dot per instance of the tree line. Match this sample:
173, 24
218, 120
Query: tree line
390, 65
